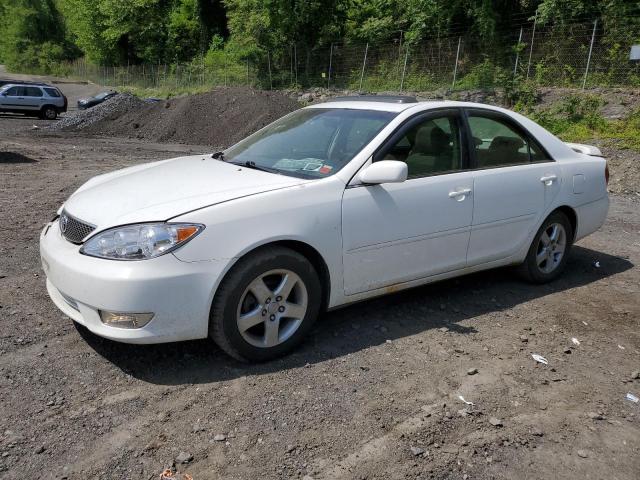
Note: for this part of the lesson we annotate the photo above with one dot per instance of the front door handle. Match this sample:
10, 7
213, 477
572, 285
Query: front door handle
548, 179
460, 194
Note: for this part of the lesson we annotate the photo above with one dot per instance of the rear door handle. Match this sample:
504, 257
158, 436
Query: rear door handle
548, 179
460, 194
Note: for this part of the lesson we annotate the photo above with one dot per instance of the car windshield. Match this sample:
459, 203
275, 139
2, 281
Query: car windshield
310, 143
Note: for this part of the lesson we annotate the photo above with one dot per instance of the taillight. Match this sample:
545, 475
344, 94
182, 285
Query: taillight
606, 173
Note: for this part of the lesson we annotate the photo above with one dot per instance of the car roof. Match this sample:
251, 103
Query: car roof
365, 103
13, 83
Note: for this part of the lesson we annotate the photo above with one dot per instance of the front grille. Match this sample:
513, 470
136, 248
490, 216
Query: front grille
73, 229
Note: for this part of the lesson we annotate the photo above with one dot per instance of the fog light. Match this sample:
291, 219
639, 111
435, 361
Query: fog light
125, 320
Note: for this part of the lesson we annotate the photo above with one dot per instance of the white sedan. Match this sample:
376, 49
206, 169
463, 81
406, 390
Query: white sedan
331, 204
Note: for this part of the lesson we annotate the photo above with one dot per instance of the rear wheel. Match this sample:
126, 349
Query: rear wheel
49, 113
549, 250
265, 305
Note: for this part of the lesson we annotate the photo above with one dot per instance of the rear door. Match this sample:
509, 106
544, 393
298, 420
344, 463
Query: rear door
514, 181
33, 98
398, 232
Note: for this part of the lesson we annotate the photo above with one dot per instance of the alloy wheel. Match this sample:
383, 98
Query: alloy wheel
551, 248
272, 308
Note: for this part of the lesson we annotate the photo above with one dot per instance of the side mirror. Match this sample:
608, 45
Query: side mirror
384, 171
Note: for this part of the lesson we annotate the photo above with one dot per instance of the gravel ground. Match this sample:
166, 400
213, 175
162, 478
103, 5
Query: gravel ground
373, 393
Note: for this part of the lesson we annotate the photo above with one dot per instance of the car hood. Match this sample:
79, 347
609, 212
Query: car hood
161, 190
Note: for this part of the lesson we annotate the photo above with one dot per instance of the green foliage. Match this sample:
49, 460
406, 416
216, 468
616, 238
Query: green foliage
485, 76
577, 118
34, 37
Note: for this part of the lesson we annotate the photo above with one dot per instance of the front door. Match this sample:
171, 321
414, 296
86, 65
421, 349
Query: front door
514, 182
13, 99
394, 233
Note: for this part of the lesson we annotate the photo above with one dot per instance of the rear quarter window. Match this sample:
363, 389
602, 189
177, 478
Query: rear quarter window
52, 92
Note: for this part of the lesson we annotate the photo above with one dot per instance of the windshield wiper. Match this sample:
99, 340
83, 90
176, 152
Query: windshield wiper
218, 155
255, 166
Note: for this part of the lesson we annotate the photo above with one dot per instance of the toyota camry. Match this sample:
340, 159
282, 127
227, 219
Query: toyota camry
332, 204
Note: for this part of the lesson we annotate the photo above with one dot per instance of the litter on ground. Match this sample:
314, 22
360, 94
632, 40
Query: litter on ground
539, 359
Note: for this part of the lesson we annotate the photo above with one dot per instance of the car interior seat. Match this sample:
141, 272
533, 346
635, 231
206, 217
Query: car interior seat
431, 151
502, 151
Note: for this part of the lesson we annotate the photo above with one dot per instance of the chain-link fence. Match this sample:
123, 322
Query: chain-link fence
584, 55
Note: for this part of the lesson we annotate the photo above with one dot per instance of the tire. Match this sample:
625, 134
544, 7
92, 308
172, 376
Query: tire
48, 113
547, 257
255, 327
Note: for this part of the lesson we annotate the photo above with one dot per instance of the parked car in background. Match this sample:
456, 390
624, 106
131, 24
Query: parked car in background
43, 100
85, 103
332, 204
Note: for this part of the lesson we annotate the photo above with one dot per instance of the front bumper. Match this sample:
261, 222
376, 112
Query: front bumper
178, 293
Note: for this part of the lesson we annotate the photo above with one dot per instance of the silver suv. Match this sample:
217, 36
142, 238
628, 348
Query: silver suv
43, 100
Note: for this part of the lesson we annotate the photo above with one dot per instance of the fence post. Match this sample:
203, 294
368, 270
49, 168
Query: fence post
404, 69
364, 63
533, 36
515, 68
247, 71
269, 63
330, 60
586, 70
224, 66
295, 59
455, 68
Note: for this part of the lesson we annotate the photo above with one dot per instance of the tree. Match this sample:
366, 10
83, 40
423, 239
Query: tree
33, 36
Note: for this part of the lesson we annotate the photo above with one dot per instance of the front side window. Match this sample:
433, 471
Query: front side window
429, 147
310, 143
498, 144
14, 92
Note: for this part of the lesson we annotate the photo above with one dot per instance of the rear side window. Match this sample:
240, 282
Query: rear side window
498, 143
52, 92
32, 92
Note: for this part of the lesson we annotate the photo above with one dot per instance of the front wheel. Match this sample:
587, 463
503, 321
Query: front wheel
549, 250
265, 305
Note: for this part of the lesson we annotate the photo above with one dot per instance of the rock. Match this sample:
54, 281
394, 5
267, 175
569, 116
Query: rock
567, 350
443, 329
305, 97
40, 449
524, 338
496, 422
184, 457
635, 375
537, 432
220, 437
416, 451
582, 453
290, 448
472, 371
596, 416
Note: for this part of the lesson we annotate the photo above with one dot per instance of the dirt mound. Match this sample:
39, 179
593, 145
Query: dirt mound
100, 114
218, 118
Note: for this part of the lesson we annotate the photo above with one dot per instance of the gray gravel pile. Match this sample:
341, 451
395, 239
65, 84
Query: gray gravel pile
113, 108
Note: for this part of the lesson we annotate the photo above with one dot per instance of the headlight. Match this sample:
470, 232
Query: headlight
140, 242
